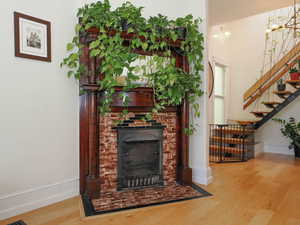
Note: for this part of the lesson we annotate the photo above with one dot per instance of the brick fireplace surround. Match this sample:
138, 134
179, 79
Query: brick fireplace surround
112, 200
109, 153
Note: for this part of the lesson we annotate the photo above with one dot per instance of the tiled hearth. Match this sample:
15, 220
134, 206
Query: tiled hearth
130, 199
150, 142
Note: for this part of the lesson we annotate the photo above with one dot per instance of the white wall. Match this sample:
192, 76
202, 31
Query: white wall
38, 115
39, 110
224, 11
269, 135
244, 52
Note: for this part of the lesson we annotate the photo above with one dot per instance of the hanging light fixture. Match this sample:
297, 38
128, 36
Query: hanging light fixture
222, 34
293, 22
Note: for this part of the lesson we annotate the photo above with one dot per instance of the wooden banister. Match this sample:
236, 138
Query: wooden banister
260, 91
273, 71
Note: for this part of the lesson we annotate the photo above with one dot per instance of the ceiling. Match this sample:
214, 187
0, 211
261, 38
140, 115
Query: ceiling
222, 11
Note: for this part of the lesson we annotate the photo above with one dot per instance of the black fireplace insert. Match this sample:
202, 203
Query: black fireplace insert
140, 156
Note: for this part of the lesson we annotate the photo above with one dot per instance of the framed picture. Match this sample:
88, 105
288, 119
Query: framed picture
32, 37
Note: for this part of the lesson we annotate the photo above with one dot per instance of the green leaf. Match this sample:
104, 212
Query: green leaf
95, 52
70, 46
77, 28
88, 26
94, 44
70, 73
144, 46
130, 30
173, 36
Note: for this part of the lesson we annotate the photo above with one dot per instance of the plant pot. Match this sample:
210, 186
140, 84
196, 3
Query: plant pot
181, 32
297, 151
281, 87
295, 76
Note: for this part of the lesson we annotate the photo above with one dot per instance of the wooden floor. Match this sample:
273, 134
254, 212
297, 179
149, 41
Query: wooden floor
264, 191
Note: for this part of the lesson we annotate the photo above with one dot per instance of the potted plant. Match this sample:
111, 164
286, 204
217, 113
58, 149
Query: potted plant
291, 130
281, 86
294, 74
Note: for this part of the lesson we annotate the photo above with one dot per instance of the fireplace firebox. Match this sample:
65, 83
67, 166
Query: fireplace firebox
140, 156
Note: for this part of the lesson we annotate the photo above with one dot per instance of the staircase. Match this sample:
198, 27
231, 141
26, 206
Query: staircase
266, 85
235, 142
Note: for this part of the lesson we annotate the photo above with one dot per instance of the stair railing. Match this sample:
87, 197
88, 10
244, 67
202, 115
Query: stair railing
279, 70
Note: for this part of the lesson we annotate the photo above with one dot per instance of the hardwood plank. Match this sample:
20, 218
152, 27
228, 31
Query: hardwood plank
263, 191
262, 217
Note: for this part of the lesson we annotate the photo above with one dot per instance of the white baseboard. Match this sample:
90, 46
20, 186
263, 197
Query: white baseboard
278, 149
25, 201
202, 175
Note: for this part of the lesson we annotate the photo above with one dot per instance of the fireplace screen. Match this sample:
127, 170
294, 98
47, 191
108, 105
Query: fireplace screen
140, 157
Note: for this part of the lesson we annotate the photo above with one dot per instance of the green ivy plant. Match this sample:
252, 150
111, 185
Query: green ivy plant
170, 83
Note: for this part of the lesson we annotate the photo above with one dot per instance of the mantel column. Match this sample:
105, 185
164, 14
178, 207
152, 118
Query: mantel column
89, 146
184, 171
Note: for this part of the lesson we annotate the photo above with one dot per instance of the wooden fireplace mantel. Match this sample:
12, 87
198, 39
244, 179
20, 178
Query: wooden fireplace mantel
141, 100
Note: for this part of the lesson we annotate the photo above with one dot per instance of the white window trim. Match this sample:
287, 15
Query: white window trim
221, 62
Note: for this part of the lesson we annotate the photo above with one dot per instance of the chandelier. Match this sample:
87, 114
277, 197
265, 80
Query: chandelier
222, 34
292, 23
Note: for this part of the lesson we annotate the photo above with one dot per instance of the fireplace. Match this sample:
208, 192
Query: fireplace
140, 155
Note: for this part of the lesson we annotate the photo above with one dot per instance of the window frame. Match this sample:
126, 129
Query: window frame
221, 63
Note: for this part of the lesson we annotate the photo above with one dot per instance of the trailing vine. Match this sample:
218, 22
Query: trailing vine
170, 83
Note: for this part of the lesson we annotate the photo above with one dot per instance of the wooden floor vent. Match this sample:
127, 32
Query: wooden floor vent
19, 222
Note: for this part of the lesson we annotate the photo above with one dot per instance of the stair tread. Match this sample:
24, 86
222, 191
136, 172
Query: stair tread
216, 147
259, 112
272, 103
230, 140
293, 81
246, 122
282, 92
